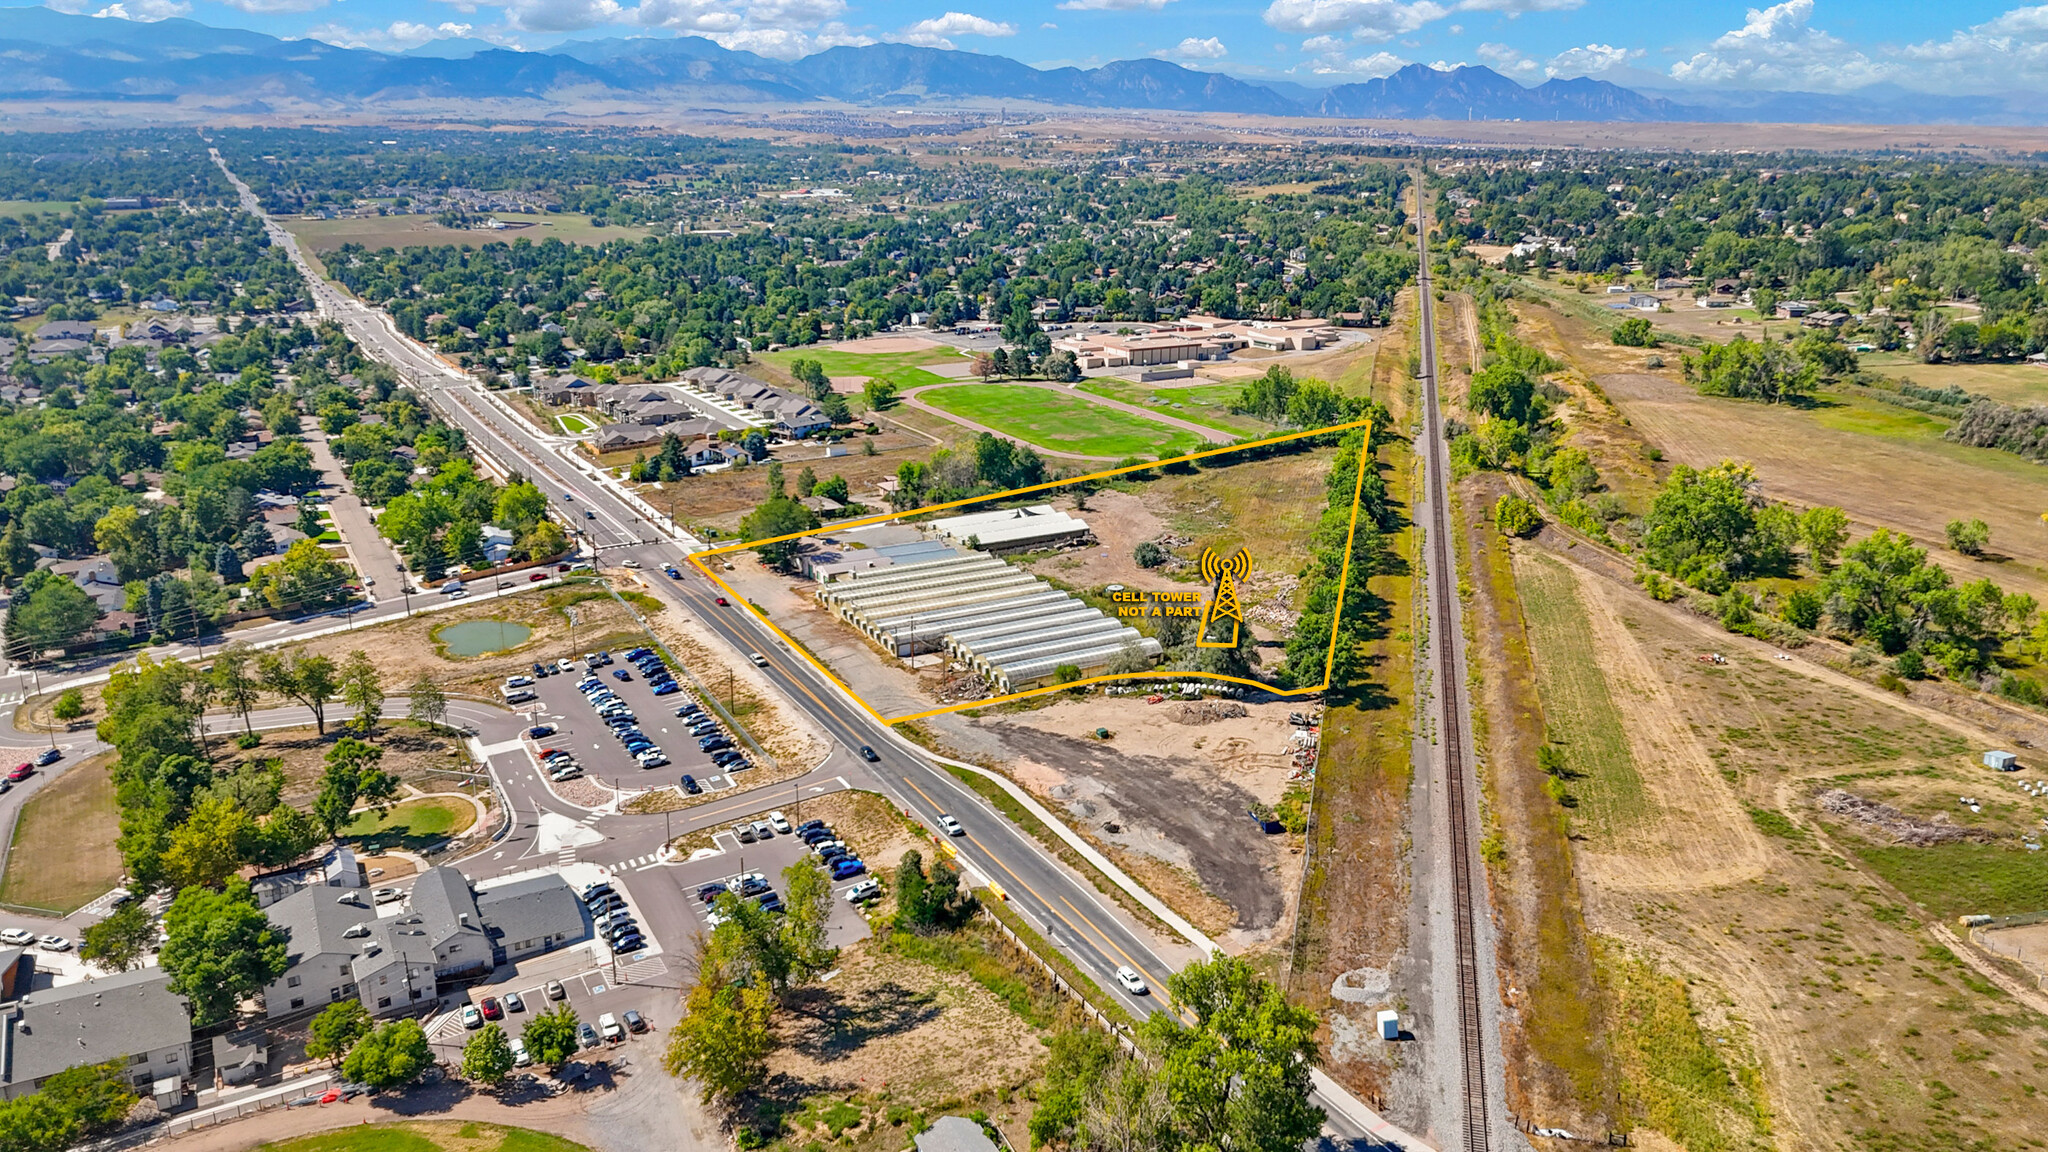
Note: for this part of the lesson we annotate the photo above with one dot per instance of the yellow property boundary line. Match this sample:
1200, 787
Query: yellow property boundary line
1365, 459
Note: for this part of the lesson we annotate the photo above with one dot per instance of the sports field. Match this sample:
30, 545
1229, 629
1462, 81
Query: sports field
1206, 404
421, 231
1061, 423
43, 207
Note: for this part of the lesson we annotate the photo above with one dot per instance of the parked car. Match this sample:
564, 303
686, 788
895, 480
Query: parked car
540, 730
386, 895
54, 943
656, 760
629, 944
745, 832
21, 772
592, 891
630, 562
49, 757
778, 822
864, 891
608, 1024
472, 1017
713, 744
588, 1035
520, 1057
491, 1008
555, 990
518, 681
667, 688
847, 869
707, 893
513, 1003
808, 825
753, 884
621, 675
691, 786
634, 1021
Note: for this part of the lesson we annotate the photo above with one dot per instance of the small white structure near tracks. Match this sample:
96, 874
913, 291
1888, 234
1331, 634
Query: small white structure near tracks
2002, 761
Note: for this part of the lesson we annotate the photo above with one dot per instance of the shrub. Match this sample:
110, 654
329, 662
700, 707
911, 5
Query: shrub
1635, 332
1515, 516
1910, 665
1148, 554
1802, 608
2025, 691
70, 706
248, 740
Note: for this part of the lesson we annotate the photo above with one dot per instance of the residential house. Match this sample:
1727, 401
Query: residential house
97, 578
624, 437
1643, 302
65, 330
497, 544
1794, 309
129, 1018
326, 929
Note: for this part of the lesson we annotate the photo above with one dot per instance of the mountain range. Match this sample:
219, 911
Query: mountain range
55, 56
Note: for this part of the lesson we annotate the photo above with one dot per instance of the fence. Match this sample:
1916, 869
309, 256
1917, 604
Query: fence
1065, 988
220, 1114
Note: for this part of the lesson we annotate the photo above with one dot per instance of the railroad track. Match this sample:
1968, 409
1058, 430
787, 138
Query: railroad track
1478, 1132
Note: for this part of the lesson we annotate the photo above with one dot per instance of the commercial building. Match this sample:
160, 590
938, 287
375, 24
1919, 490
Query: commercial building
1010, 628
1011, 529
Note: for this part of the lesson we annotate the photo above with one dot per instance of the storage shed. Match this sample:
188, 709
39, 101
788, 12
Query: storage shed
2002, 761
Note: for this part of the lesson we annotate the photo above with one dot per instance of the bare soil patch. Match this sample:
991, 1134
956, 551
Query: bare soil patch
717, 500
782, 732
1172, 799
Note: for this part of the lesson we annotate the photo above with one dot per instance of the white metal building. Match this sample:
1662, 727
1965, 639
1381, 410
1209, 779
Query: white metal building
1010, 529
1011, 628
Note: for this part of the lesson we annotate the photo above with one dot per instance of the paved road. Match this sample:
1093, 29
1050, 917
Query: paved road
1090, 928
372, 554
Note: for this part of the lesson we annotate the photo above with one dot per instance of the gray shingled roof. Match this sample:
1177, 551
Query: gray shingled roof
531, 908
105, 1018
315, 920
441, 898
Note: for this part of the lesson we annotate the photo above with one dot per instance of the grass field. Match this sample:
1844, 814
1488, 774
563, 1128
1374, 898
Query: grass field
2011, 383
575, 424
427, 1136
413, 824
1061, 423
1582, 719
421, 231
1963, 879
1206, 404
24, 207
63, 855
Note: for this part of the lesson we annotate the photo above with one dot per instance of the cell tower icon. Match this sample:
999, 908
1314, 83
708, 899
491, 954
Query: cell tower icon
1223, 574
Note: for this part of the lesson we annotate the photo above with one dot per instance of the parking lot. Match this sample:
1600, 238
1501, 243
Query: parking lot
580, 731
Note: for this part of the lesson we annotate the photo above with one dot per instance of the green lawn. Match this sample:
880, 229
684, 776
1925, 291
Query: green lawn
413, 824
63, 856
44, 207
1204, 404
884, 365
575, 423
1963, 879
1061, 423
427, 1136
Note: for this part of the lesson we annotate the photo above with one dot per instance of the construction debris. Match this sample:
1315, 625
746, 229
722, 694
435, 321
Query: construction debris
1903, 829
1209, 711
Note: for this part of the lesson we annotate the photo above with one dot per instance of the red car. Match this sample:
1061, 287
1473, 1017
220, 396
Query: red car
536, 577
492, 1009
721, 602
21, 772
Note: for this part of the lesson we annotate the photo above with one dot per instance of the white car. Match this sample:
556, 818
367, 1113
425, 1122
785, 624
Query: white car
780, 823
631, 563
472, 1016
864, 891
950, 826
17, 936
608, 1026
54, 944
520, 1058
387, 895
1132, 982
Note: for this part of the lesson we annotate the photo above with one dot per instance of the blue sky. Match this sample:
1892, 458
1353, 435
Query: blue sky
1814, 45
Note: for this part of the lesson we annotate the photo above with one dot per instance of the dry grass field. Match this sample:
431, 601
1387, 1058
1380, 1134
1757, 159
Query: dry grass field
63, 855
1801, 956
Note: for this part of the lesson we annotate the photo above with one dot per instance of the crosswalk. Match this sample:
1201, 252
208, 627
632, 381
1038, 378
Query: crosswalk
642, 863
566, 855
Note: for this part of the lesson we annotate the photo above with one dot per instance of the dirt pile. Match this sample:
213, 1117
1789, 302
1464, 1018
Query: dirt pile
1903, 829
1208, 711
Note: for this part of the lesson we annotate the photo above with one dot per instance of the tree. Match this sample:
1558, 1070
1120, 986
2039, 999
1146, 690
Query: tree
1969, 536
807, 906
309, 679
520, 506
881, 394
55, 614
227, 564
1878, 590
337, 1028
755, 445
232, 680
352, 777
775, 517
985, 365
723, 1040
545, 540
811, 374
427, 704
304, 578
1747, 370
70, 705
774, 482
550, 1037
75, 1104
1823, 530
219, 949
217, 837
1635, 332
390, 1056
1515, 516
120, 941
362, 688
926, 904
1709, 526
1505, 390
1802, 608
487, 1057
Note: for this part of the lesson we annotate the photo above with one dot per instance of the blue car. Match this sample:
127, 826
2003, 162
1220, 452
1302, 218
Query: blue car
712, 744
848, 869
636, 653
621, 674
667, 688
690, 784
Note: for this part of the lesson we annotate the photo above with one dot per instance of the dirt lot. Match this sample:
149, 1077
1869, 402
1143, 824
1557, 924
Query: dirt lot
717, 500
1814, 961
890, 1038
1170, 798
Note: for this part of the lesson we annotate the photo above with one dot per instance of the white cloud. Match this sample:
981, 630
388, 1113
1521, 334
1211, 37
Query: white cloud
268, 6
938, 32
144, 11
560, 15
1778, 47
1365, 19
790, 43
1112, 5
1190, 48
1989, 57
1327, 56
1513, 8
401, 35
1508, 60
781, 29
1591, 60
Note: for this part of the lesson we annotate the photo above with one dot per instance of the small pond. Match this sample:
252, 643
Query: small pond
476, 637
